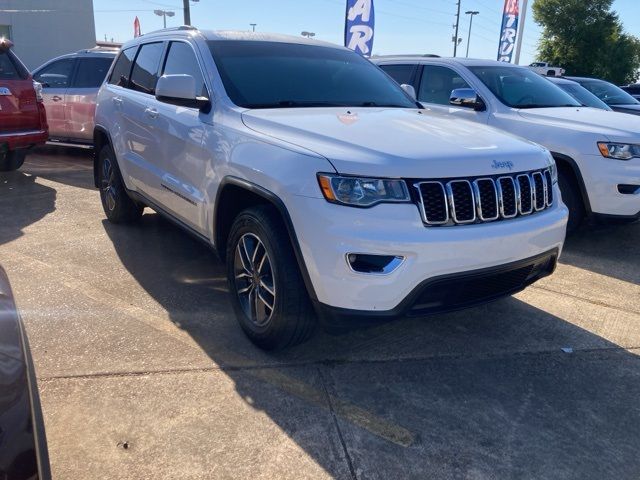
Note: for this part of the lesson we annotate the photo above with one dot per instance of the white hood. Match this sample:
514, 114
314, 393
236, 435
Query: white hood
613, 125
392, 142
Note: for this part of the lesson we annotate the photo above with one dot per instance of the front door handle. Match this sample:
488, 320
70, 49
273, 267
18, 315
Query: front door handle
151, 112
56, 98
117, 101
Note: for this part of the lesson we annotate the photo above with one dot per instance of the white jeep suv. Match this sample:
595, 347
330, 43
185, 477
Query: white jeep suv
597, 152
320, 181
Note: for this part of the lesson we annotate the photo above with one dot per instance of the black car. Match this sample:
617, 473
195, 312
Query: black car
612, 95
633, 90
23, 447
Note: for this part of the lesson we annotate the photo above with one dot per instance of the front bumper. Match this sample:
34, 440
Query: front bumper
327, 233
601, 177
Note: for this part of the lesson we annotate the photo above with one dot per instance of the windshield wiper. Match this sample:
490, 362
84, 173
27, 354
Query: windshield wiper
536, 105
294, 104
383, 105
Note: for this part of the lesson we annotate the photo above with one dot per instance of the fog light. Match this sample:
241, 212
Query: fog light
374, 264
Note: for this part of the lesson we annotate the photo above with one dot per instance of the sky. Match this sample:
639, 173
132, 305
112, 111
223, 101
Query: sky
402, 26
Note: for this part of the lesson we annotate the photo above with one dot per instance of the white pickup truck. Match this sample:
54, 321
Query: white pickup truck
544, 68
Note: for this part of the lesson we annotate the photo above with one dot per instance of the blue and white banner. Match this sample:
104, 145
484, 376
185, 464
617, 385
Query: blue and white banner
509, 30
359, 26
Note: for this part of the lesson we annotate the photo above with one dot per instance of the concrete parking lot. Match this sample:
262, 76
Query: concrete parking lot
144, 373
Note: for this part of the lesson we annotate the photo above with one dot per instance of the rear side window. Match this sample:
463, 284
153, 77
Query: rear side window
181, 59
56, 74
8, 69
403, 74
91, 72
122, 68
145, 70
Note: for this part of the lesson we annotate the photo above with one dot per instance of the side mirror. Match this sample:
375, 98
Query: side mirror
180, 90
467, 97
409, 89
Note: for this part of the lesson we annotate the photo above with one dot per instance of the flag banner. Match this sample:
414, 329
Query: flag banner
136, 28
509, 30
359, 26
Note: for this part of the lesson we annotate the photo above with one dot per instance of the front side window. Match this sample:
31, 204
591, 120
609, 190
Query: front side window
56, 74
289, 75
437, 83
181, 60
518, 87
91, 72
122, 69
609, 94
145, 69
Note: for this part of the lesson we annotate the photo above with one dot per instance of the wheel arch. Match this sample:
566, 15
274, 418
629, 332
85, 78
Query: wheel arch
235, 195
568, 165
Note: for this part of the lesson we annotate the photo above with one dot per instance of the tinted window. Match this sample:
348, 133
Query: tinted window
181, 59
519, 87
287, 75
122, 68
609, 93
91, 72
403, 74
56, 74
437, 83
145, 70
10, 68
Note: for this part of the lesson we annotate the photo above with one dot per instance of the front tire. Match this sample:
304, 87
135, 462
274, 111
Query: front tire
117, 205
268, 293
13, 160
572, 199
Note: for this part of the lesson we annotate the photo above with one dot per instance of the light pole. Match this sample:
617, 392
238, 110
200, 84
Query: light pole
308, 34
471, 13
164, 14
187, 11
253, 26
455, 35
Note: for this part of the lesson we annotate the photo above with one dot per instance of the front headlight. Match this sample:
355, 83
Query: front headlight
553, 168
362, 192
619, 151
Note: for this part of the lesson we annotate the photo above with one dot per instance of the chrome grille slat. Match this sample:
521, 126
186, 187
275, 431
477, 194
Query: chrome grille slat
464, 201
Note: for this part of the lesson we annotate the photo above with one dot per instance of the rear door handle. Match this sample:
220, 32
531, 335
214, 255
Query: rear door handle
117, 101
56, 98
151, 112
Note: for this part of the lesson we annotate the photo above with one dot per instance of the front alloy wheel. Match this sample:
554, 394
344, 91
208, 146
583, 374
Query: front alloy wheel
255, 282
108, 184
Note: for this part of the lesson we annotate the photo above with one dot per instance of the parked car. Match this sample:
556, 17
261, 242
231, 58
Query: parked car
70, 85
612, 95
22, 114
633, 90
581, 94
23, 446
323, 184
545, 68
597, 153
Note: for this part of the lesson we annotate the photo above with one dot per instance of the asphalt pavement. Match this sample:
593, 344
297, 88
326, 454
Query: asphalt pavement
145, 374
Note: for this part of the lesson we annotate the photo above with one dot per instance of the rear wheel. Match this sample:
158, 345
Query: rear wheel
572, 199
268, 293
117, 204
12, 160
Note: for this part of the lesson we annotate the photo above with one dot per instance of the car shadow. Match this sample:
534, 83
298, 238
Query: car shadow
608, 249
65, 165
505, 390
23, 202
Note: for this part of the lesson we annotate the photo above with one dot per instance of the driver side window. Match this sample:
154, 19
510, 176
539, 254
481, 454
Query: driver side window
437, 83
56, 74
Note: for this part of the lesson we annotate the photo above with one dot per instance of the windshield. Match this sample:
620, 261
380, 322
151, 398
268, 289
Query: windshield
522, 88
609, 93
583, 95
287, 75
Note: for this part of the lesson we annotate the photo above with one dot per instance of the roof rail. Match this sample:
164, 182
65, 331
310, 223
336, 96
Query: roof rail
414, 55
173, 29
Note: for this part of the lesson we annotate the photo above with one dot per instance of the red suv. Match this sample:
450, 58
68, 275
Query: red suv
23, 121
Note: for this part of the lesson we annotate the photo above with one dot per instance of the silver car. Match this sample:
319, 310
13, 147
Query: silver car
70, 84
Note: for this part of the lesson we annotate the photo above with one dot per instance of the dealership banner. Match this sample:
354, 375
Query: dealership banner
509, 30
359, 26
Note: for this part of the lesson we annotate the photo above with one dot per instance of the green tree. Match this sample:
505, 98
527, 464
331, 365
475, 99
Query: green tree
586, 38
